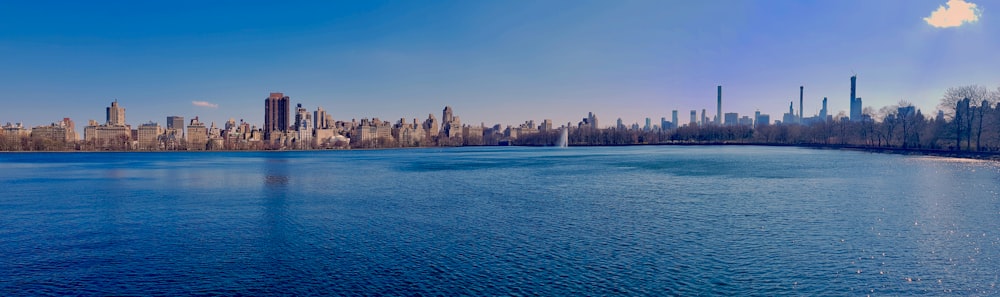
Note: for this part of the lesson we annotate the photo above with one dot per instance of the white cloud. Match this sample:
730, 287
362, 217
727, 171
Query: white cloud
204, 104
957, 13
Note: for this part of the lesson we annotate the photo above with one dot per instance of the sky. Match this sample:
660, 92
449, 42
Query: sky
493, 61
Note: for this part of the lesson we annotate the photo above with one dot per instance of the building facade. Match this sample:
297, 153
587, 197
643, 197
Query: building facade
856, 108
115, 114
276, 109
197, 135
149, 135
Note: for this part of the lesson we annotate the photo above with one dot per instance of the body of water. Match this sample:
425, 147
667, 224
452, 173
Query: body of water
649, 220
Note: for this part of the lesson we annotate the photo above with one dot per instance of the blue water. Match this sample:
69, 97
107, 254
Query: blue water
656, 220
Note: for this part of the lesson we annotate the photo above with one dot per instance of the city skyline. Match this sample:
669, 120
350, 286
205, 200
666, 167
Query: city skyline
496, 62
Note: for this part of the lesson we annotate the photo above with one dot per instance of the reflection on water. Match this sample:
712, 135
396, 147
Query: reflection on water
659, 220
276, 180
275, 171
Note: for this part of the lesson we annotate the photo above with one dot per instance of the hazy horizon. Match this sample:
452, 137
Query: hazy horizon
493, 62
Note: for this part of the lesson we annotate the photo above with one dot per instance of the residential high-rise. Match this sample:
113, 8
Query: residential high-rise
431, 126
115, 114
303, 127
447, 115
60, 132
676, 122
760, 120
732, 118
175, 128
907, 111
801, 90
855, 101
148, 136
789, 117
175, 122
197, 135
319, 119
231, 124
544, 127
451, 126
861, 111
275, 115
301, 116
589, 122
822, 112
718, 113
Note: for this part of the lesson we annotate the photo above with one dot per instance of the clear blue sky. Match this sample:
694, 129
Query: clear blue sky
492, 61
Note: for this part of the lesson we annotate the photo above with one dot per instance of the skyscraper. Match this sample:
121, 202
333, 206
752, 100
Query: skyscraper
694, 117
115, 114
801, 90
732, 118
147, 136
301, 116
762, 120
275, 115
319, 118
431, 126
676, 123
855, 101
175, 122
861, 111
718, 112
447, 115
789, 117
545, 126
822, 112
197, 135
450, 124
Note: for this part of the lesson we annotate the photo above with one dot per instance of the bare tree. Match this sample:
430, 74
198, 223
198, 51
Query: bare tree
889, 119
975, 93
868, 126
961, 120
907, 121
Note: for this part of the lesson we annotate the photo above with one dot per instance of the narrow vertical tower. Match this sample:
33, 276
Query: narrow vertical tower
718, 111
855, 104
822, 112
854, 84
801, 89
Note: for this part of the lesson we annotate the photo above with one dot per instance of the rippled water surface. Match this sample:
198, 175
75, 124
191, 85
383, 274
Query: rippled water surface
658, 220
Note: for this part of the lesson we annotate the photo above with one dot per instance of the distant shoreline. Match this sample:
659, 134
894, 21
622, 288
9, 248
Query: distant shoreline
992, 156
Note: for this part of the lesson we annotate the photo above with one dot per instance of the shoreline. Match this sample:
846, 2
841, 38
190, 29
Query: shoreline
978, 155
